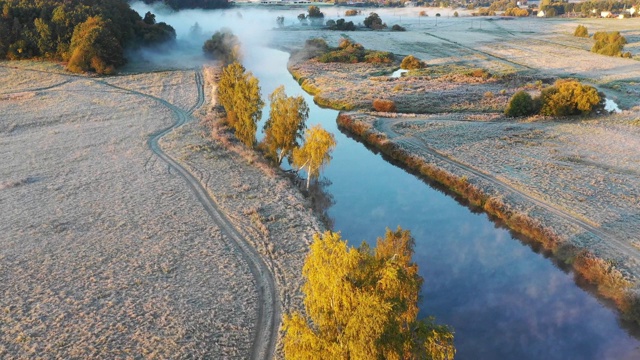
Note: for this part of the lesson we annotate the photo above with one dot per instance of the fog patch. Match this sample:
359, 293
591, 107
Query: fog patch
194, 26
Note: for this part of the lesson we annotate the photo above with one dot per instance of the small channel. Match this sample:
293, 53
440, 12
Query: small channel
504, 298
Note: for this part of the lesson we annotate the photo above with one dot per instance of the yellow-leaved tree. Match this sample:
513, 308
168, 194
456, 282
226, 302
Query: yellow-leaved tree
362, 304
239, 94
285, 125
315, 153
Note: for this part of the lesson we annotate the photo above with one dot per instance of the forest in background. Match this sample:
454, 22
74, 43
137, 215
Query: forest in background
90, 35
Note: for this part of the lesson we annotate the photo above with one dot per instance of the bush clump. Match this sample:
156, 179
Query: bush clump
397, 27
384, 105
608, 43
349, 52
351, 12
224, 46
479, 73
410, 62
520, 104
374, 22
341, 24
581, 31
515, 11
570, 97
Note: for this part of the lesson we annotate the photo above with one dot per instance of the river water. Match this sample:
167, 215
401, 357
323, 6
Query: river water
504, 299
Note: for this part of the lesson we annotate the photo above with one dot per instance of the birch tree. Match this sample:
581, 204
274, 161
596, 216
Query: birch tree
315, 153
285, 126
239, 94
362, 304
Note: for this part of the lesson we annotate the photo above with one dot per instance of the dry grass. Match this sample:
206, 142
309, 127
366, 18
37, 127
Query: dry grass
105, 252
432, 90
382, 105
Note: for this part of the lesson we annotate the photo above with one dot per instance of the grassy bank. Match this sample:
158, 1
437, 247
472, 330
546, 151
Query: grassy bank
608, 280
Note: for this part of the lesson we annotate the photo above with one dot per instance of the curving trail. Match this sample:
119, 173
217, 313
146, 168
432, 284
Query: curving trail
268, 312
416, 145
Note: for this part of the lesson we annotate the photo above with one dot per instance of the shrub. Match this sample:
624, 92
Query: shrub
351, 12
520, 104
479, 73
514, 11
384, 105
455, 14
423, 13
608, 43
379, 57
397, 27
410, 62
374, 22
223, 45
570, 97
315, 15
581, 31
316, 43
315, 47
343, 25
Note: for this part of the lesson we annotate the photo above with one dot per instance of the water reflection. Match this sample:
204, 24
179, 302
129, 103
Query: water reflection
504, 300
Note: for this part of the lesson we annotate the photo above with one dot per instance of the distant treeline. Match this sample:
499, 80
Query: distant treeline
192, 4
89, 34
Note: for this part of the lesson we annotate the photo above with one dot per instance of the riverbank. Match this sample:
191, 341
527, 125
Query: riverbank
537, 197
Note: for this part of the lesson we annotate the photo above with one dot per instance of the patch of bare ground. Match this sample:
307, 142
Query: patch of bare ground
105, 252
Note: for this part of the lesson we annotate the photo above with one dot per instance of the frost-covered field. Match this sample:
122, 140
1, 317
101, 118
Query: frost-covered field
105, 252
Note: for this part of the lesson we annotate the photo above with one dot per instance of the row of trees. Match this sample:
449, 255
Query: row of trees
362, 303
90, 34
284, 130
565, 97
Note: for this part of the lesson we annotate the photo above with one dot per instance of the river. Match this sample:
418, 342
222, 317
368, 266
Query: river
504, 299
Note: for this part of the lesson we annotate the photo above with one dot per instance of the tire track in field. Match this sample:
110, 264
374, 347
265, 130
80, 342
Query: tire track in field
268, 311
416, 145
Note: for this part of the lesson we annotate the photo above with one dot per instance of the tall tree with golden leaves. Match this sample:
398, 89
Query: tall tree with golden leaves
362, 304
285, 125
315, 153
239, 94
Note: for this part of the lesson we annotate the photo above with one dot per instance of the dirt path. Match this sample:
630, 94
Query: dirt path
267, 324
416, 145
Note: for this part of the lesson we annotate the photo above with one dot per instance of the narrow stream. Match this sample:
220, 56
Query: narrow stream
503, 298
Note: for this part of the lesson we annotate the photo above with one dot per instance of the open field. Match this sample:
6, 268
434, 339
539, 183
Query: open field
571, 183
106, 252
543, 48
